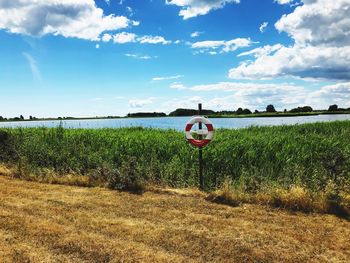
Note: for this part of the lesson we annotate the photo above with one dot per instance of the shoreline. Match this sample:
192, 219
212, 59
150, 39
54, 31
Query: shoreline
253, 115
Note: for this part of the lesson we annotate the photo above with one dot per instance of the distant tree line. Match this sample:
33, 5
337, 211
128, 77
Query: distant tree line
240, 111
190, 112
146, 114
20, 118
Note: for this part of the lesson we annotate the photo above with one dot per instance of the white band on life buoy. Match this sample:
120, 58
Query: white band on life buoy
209, 135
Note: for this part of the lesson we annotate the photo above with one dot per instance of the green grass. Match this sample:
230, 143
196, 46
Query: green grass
310, 155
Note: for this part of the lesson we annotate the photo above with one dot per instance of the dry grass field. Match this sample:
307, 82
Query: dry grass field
56, 223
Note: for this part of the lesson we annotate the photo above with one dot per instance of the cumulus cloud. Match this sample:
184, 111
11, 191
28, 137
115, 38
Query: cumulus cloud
211, 46
69, 18
331, 94
124, 37
318, 22
303, 62
255, 94
193, 8
153, 40
282, 95
321, 50
167, 78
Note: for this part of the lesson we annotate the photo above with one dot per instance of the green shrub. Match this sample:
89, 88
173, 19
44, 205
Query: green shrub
129, 178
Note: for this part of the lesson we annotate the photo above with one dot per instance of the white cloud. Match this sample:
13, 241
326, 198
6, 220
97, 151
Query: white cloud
139, 103
321, 31
167, 78
97, 46
33, 66
193, 8
208, 44
124, 37
284, 2
318, 22
141, 57
69, 18
196, 34
282, 95
331, 94
178, 86
223, 46
304, 62
263, 27
106, 37
262, 51
249, 89
130, 11
153, 40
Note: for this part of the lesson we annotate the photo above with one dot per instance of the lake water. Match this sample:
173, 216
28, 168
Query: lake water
177, 123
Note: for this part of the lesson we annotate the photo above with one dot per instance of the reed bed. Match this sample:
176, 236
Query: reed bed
314, 157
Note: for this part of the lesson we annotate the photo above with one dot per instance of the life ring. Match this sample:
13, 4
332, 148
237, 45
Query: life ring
209, 134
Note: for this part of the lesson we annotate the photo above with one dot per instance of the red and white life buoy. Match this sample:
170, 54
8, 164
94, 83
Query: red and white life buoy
209, 134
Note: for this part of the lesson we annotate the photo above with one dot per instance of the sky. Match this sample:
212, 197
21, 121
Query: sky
112, 57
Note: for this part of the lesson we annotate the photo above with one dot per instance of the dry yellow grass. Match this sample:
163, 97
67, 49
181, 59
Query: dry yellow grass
55, 223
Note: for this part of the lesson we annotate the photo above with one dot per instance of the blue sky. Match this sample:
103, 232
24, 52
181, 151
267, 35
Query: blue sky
99, 58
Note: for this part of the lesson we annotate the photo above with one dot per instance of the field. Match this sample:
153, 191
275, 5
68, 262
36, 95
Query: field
55, 223
301, 167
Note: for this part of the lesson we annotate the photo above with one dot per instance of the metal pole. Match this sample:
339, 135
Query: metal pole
200, 152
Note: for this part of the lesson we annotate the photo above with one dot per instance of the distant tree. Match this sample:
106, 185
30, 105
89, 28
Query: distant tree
21, 117
189, 112
225, 112
146, 114
1, 118
270, 108
302, 109
30, 117
239, 111
285, 110
256, 111
247, 111
333, 107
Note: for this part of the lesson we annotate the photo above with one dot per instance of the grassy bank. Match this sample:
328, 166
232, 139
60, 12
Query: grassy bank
54, 223
314, 157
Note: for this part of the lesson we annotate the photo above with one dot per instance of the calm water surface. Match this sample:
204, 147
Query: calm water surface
177, 123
